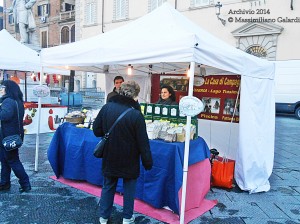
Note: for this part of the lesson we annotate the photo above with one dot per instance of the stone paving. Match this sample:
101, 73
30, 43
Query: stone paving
52, 202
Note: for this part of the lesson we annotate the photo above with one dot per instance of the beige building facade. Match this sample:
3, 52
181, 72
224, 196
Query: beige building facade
265, 28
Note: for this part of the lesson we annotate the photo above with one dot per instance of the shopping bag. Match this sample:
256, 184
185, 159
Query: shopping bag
222, 173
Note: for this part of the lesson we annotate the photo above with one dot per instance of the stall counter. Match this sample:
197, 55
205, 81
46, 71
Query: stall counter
71, 155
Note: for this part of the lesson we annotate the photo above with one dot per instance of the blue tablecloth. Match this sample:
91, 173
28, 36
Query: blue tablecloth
71, 155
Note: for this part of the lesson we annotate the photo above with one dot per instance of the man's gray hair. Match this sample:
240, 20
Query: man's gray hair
130, 89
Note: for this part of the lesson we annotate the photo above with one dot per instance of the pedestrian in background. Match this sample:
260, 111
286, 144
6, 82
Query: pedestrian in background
118, 80
11, 118
127, 142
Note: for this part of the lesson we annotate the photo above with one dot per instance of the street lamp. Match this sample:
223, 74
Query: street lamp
218, 7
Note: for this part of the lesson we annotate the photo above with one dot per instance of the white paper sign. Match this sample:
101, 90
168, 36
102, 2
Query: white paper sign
41, 91
190, 106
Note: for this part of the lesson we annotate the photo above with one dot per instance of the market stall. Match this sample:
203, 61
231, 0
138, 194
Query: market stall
165, 37
70, 155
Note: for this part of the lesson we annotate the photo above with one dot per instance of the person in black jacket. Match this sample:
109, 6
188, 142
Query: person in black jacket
167, 96
118, 80
127, 142
11, 117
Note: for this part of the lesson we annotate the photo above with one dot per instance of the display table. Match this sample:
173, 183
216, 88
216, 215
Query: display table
71, 155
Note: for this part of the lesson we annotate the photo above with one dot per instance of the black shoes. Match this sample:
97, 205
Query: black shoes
4, 187
25, 189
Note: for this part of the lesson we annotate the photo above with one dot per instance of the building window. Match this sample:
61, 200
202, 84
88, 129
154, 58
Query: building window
153, 4
198, 3
65, 35
10, 19
44, 10
257, 51
44, 39
120, 9
69, 7
90, 12
73, 33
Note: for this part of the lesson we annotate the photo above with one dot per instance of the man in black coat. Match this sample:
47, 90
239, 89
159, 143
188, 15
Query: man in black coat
118, 80
127, 143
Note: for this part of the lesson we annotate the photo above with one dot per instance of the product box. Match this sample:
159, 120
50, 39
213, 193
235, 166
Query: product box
174, 113
157, 111
165, 112
149, 109
143, 107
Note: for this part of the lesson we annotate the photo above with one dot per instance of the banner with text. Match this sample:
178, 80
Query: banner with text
219, 95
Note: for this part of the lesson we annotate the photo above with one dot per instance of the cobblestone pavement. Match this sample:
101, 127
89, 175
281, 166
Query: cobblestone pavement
52, 202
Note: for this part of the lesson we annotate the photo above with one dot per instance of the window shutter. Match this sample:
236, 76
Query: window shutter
39, 10
73, 33
94, 13
156, 3
44, 39
87, 15
120, 9
123, 9
48, 9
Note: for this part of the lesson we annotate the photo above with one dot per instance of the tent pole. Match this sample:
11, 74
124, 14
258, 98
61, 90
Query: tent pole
37, 143
25, 86
187, 146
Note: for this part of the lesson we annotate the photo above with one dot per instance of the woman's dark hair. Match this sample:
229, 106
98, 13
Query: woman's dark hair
170, 90
12, 90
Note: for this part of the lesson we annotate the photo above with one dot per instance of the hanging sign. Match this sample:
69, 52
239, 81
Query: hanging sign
41, 91
190, 106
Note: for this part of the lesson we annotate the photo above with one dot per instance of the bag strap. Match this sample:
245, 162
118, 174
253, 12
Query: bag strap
119, 118
18, 117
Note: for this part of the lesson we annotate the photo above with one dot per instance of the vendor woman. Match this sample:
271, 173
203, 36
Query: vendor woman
167, 96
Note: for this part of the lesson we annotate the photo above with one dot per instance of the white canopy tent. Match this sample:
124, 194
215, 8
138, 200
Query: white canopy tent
166, 36
17, 56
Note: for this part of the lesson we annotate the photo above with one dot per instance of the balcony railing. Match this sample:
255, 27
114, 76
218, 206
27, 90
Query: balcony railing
67, 15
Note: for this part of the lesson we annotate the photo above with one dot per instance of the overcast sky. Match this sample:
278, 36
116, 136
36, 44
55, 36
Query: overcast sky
1, 2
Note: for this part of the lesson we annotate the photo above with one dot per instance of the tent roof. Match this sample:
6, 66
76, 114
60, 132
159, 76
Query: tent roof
17, 56
162, 36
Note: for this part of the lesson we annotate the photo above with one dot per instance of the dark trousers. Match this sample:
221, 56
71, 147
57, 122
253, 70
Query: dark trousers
10, 161
108, 193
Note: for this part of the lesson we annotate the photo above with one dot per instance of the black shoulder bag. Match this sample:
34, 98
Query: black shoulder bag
13, 142
99, 149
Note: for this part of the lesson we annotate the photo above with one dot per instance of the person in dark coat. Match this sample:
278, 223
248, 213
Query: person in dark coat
167, 96
118, 80
11, 117
127, 143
